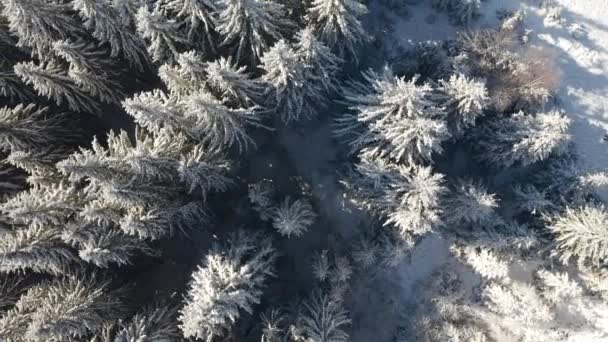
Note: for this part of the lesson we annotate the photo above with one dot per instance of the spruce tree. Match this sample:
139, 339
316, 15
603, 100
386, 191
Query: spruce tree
251, 26
162, 35
230, 280
337, 23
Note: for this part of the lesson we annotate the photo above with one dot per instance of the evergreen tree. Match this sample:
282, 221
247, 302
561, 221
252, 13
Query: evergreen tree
324, 319
293, 217
197, 17
471, 204
322, 65
162, 35
52, 82
12, 88
230, 280
37, 23
580, 234
187, 76
393, 118
103, 18
35, 248
525, 139
288, 91
464, 100
405, 197
231, 83
251, 26
154, 323
337, 24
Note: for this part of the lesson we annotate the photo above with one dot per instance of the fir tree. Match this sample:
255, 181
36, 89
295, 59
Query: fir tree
162, 35
464, 100
525, 139
187, 76
324, 319
38, 23
197, 17
51, 81
393, 118
293, 217
251, 26
471, 204
230, 280
35, 248
231, 83
337, 24
288, 91
322, 65
72, 307
13, 88
103, 18
154, 323
580, 234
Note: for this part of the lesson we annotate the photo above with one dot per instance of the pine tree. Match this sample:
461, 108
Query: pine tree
337, 24
405, 197
71, 307
231, 83
464, 11
12, 88
251, 26
26, 128
322, 65
293, 217
187, 76
580, 234
197, 17
324, 319
35, 248
103, 18
471, 204
163, 35
153, 323
288, 91
52, 81
525, 139
38, 23
230, 280
393, 118
464, 100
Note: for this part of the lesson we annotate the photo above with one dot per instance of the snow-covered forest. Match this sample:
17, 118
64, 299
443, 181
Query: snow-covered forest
302, 171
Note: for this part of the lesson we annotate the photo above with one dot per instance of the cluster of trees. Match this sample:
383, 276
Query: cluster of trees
199, 81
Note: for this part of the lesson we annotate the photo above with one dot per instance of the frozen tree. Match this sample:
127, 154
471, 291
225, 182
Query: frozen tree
187, 76
218, 125
531, 199
162, 34
322, 64
525, 139
289, 93
251, 26
464, 11
272, 326
464, 99
231, 279
52, 82
486, 263
37, 23
471, 204
260, 196
324, 319
70, 307
337, 24
25, 128
393, 118
406, 197
104, 20
197, 16
293, 217
199, 115
581, 234
11, 287
231, 83
154, 323
35, 248
13, 88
